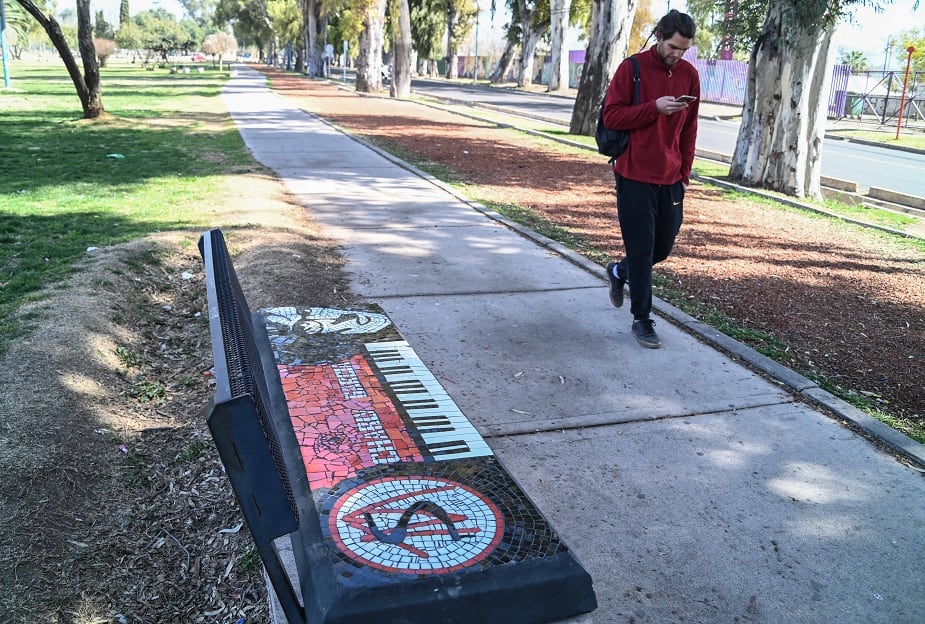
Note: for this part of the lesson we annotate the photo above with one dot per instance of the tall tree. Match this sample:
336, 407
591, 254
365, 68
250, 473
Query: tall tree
101, 27
312, 34
124, 16
161, 33
428, 26
460, 16
401, 47
200, 11
916, 39
534, 23
779, 145
369, 60
611, 21
249, 20
286, 19
452, 43
344, 24
130, 37
88, 83
641, 30
558, 26
739, 24
709, 15
511, 41
93, 105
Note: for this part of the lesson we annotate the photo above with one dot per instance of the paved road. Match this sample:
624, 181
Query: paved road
867, 165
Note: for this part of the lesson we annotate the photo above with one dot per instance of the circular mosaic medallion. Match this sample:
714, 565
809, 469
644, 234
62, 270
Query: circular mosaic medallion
415, 525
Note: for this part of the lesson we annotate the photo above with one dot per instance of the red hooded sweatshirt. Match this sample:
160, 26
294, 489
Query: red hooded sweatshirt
661, 147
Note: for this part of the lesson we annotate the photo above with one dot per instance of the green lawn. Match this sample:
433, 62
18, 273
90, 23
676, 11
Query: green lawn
69, 184
907, 138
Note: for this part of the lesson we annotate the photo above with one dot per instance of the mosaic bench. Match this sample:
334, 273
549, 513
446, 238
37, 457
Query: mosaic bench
345, 453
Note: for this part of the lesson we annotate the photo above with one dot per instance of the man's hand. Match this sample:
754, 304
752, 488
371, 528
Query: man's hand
667, 105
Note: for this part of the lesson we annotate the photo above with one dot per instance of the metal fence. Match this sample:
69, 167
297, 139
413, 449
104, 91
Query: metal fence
877, 96
723, 82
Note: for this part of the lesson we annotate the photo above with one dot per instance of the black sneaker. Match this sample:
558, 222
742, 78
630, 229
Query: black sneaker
644, 332
616, 286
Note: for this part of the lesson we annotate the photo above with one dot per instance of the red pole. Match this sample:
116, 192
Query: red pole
902, 100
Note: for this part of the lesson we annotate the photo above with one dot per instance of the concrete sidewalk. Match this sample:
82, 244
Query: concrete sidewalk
691, 488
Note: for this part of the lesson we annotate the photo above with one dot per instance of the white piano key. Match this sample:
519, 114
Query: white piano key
445, 431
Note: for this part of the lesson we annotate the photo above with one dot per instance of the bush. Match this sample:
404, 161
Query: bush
104, 49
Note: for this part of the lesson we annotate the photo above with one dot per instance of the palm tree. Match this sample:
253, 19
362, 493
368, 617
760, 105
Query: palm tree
855, 58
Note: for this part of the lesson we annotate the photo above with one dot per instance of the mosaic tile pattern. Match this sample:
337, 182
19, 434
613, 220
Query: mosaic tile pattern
316, 335
426, 538
405, 486
343, 429
496, 522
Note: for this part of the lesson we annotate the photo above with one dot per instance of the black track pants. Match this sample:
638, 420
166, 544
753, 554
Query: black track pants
650, 218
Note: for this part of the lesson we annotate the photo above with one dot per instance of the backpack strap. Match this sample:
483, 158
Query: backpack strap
610, 141
636, 79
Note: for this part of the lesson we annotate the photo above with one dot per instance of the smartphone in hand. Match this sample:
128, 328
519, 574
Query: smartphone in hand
685, 98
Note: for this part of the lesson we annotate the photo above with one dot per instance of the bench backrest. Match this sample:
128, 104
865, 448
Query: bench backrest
243, 416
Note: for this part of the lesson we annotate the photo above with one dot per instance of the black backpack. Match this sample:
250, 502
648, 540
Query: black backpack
613, 142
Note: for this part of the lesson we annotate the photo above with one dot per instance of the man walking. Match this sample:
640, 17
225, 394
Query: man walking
654, 171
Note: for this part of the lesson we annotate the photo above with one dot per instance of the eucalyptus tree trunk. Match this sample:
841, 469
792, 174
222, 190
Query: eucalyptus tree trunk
504, 63
611, 21
401, 60
558, 25
88, 87
526, 67
452, 52
532, 31
310, 23
369, 60
779, 146
428, 67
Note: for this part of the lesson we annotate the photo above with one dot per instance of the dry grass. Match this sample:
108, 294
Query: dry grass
114, 506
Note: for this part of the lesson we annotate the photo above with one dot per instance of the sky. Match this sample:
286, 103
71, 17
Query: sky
867, 33
870, 30
110, 8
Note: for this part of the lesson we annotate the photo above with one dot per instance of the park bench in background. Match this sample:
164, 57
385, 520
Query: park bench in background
343, 449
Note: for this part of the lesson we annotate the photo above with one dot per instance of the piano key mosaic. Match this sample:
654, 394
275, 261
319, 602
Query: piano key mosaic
404, 485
